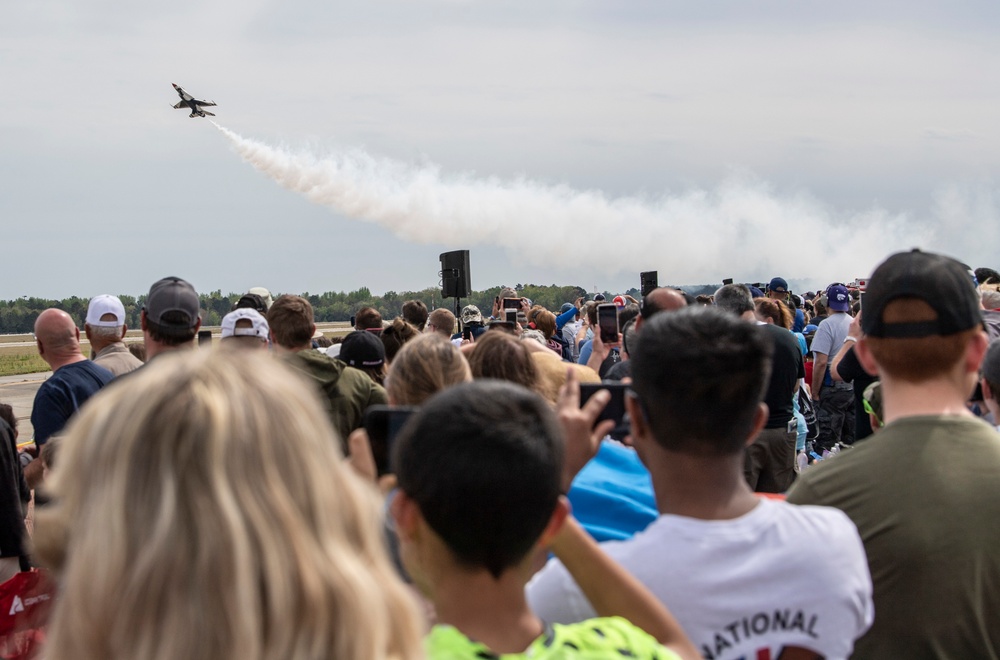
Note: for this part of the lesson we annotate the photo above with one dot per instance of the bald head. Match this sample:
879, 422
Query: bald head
55, 328
662, 300
58, 338
659, 300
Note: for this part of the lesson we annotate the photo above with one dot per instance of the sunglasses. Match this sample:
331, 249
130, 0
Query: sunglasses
868, 409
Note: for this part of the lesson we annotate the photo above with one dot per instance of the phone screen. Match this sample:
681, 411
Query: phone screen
204, 337
615, 410
510, 315
512, 303
607, 320
467, 333
383, 424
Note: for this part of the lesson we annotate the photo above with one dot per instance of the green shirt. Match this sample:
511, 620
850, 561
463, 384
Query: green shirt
606, 638
924, 493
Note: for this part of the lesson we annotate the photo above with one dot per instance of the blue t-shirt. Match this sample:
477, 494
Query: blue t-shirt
612, 496
62, 395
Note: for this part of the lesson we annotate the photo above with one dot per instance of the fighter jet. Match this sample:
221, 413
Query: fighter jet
188, 101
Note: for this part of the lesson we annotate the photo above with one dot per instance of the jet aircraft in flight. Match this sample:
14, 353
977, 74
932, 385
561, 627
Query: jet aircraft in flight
188, 101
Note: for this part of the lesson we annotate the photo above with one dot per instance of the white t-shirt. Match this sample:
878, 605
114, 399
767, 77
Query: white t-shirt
779, 576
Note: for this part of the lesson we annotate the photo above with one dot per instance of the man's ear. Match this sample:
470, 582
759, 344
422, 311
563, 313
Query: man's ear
142, 320
976, 351
197, 325
124, 330
759, 420
556, 522
406, 516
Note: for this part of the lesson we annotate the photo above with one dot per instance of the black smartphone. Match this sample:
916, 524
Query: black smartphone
726, 281
648, 280
467, 333
204, 337
607, 321
615, 410
510, 315
353, 319
383, 424
512, 303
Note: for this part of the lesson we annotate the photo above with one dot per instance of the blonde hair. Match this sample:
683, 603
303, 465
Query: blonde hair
424, 367
202, 509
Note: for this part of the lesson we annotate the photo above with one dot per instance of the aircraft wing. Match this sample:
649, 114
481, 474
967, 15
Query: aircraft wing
184, 95
206, 102
181, 104
206, 112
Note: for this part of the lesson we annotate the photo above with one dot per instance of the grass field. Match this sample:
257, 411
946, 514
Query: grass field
16, 360
19, 355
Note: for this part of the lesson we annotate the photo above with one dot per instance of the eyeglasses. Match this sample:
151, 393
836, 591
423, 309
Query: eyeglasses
868, 409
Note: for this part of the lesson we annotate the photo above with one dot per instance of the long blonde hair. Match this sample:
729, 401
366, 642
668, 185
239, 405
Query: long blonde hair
202, 509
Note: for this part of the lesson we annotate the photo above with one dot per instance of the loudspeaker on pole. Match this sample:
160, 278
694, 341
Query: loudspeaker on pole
456, 281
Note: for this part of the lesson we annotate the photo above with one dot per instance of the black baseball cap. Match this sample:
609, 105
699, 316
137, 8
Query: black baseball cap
172, 294
942, 282
362, 349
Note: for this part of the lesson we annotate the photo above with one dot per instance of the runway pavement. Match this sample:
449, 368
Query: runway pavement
19, 392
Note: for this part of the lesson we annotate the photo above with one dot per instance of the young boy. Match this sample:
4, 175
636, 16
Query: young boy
480, 472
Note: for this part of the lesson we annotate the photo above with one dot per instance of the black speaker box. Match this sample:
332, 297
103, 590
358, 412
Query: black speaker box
455, 277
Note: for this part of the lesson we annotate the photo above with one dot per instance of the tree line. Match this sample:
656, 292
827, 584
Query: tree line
18, 316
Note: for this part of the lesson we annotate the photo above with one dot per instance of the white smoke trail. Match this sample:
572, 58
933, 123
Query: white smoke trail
739, 228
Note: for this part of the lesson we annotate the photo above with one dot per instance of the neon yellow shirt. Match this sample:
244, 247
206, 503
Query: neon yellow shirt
605, 638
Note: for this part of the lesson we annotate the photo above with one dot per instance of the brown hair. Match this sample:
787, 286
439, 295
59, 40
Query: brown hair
498, 355
778, 312
424, 367
291, 321
443, 321
415, 312
395, 335
920, 358
546, 322
367, 317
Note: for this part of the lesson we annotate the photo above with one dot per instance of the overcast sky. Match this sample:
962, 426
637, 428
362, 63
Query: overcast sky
801, 139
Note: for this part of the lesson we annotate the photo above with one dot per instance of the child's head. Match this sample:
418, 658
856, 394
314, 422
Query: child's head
481, 463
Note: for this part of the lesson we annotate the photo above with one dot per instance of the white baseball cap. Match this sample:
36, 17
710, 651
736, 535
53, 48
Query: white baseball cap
258, 324
105, 304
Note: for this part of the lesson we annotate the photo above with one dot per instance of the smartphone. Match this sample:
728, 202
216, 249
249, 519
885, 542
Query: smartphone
607, 320
506, 326
353, 320
615, 410
648, 280
383, 424
510, 315
467, 333
726, 281
204, 337
512, 303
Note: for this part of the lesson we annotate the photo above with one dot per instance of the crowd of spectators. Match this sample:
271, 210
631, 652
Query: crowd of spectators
799, 476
